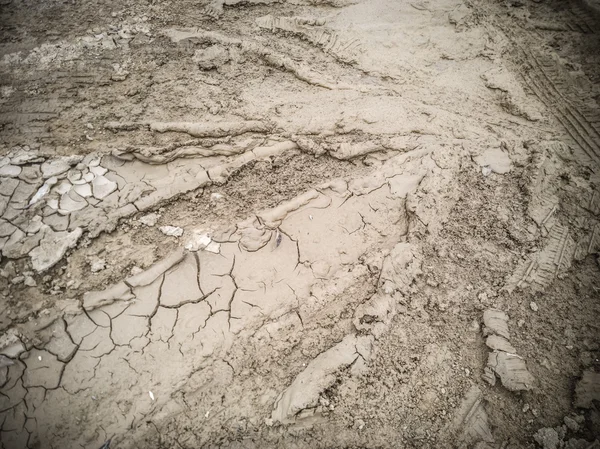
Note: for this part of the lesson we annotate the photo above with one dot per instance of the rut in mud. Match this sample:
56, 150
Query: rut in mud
307, 223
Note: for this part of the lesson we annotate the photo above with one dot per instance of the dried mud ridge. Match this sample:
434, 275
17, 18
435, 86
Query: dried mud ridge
446, 298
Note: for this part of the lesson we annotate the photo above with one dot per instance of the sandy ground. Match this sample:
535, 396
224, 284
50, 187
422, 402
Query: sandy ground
300, 224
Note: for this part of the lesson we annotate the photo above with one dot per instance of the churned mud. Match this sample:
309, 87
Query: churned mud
304, 223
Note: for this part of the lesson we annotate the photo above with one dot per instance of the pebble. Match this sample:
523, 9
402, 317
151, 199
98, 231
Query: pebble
150, 219
98, 265
29, 281
533, 306
174, 231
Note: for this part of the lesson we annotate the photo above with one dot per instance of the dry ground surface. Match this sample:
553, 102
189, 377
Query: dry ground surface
299, 224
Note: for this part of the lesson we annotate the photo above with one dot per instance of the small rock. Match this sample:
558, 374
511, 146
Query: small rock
533, 306
97, 265
173, 231
29, 281
136, 270
150, 219
18, 280
215, 196
486, 171
202, 241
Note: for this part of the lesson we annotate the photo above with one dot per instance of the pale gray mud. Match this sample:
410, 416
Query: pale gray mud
302, 223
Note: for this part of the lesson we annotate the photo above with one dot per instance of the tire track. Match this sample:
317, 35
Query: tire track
542, 74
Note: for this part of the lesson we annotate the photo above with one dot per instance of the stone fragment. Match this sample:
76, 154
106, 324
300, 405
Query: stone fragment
533, 306
173, 231
202, 241
150, 219
53, 247
17, 280
29, 281
102, 187
97, 265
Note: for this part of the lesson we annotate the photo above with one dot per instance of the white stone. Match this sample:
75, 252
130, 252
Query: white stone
150, 219
29, 281
202, 241
173, 231
97, 265
533, 306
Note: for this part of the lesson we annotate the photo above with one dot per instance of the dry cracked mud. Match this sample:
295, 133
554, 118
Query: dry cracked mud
301, 223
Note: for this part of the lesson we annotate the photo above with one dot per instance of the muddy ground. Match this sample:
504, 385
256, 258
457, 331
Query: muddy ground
306, 223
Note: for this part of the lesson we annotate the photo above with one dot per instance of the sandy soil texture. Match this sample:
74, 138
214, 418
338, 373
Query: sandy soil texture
300, 224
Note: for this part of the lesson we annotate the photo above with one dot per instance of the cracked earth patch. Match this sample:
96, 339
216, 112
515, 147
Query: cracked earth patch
299, 224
